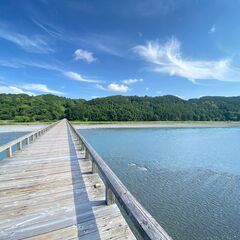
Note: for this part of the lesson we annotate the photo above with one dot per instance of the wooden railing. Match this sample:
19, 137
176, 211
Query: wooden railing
145, 224
27, 139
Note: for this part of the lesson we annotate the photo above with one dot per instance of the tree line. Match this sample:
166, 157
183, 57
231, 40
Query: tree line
24, 108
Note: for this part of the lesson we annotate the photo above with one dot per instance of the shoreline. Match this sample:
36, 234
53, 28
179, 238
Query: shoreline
33, 127
21, 128
160, 125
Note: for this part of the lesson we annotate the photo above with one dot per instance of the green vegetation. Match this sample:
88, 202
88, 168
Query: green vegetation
24, 108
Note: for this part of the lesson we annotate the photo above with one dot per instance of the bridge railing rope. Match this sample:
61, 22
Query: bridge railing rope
19, 143
143, 222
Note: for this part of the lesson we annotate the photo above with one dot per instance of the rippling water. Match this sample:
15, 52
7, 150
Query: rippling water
188, 179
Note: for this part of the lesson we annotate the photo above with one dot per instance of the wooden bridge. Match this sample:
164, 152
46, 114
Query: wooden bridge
55, 186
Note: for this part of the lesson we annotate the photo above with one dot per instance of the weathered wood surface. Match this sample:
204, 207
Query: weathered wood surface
47, 192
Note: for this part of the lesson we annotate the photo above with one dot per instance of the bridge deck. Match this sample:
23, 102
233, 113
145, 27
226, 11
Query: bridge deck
47, 192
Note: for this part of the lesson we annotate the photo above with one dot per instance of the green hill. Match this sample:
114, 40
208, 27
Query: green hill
26, 108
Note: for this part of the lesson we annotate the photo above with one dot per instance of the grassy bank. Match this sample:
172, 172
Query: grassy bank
12, 122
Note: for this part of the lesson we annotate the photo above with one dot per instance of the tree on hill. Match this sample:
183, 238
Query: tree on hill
24, 108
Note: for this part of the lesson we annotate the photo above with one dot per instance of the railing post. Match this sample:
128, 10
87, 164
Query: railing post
9, 151
20, 145
81, 145
110, 197
86, 154
94, 167
28, 141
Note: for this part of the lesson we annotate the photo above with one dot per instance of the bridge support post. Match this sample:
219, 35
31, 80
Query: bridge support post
110, 197
9, 152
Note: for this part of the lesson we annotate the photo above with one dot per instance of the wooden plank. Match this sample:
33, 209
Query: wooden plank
47, 192
70, 233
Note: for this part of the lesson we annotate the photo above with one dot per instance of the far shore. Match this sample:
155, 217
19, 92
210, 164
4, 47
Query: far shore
29, 127
162, 124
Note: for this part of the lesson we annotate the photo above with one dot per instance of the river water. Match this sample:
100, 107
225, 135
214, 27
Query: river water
188, 179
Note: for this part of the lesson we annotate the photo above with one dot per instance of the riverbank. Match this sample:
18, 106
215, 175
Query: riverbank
26, 127
154, 124
21, 127
167, 124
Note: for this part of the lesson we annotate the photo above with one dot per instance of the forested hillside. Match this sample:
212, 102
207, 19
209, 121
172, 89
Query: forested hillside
22, 107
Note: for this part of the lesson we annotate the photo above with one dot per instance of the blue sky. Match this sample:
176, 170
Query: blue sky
87, 49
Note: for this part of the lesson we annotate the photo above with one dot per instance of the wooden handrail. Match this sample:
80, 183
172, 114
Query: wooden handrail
146, 225
30, 137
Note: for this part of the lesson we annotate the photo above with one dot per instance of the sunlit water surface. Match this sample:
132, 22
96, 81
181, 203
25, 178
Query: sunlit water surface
188, 179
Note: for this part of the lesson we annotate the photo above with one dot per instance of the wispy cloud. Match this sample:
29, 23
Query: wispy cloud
105, 43
114, 87
84, 55
40, 88
17, 63
35, 43
100, 87
21, 63
155, 7
79, 77
132, 81
48, 29
14, 90
110, 44
167, 58
212, 29
11, 64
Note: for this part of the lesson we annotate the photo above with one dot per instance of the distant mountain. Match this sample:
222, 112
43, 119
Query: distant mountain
22, 107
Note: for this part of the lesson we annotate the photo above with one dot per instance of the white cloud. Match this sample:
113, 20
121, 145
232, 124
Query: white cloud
36, 43
40, 88
79, 77
213, 29
100, 87
117, 87
167, 58
131, 81
84, 55
14, 90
